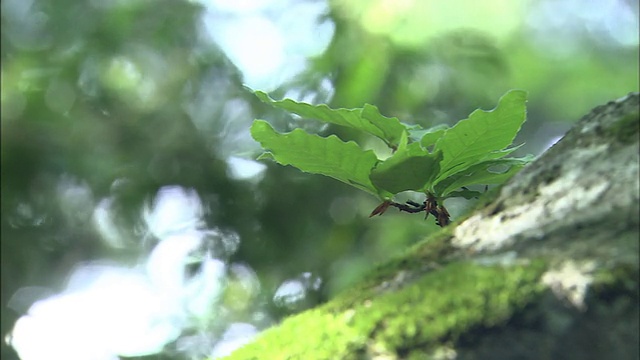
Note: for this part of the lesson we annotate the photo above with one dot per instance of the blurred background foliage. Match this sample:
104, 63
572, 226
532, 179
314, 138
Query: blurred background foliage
118, 99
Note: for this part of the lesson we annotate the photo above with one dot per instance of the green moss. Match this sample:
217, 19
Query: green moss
319, 333
406, 306
423, 256
439, 305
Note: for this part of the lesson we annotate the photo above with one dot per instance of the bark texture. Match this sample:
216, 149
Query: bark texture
546, 270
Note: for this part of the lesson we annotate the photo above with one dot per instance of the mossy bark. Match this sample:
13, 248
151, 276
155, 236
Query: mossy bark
548, 269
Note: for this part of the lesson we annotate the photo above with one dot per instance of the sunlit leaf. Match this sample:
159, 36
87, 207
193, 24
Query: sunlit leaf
438, 161
484, 132
487, 172
431, 136
367, 119
409, 168
330, 156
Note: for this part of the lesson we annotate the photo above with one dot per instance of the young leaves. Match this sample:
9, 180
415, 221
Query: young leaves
481, 173
438, 161
482, 136
344, 161
367, 119
409, 168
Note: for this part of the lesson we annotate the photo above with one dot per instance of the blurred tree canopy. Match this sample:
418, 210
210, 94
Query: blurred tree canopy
118, 99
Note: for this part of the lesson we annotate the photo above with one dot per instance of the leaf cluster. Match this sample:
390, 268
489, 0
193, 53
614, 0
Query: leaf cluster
439, 161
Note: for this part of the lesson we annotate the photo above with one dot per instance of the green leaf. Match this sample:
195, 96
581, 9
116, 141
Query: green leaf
428, 136
464, 154
481, 173
344, 161
484, 133
409, 168
465, 193
433, 135
367, 119
500, 153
